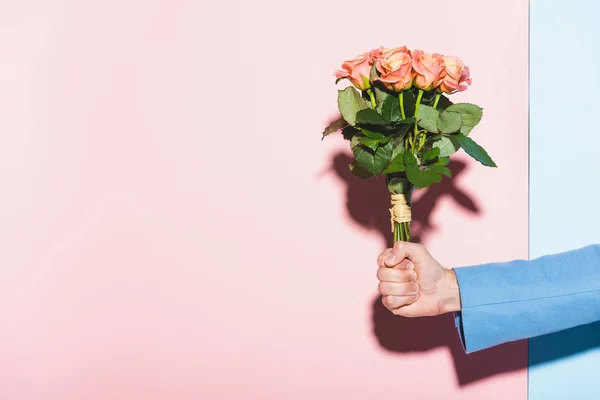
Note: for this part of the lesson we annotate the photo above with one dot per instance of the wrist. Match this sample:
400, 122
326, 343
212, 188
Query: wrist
450, 293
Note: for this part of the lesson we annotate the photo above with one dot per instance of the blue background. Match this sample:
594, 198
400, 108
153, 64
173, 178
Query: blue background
564, 177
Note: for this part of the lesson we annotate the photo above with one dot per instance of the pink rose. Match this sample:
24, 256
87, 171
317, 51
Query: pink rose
376, 53
458, 77
395, 68
429, 69
357, 71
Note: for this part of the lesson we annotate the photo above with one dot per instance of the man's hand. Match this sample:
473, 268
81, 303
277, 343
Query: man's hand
413, 284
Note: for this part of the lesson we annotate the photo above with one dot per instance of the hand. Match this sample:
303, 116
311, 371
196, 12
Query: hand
413, 284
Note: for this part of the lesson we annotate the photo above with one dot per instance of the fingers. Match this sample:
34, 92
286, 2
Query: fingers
386, 274
405, 264
382, 257
398, 289
394, 261
397, 277
393, 303
401, 251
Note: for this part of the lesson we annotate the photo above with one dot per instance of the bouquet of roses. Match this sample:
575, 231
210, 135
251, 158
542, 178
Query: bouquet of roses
401, 124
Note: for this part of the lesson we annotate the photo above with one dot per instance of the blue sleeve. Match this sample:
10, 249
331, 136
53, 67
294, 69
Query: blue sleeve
510, 301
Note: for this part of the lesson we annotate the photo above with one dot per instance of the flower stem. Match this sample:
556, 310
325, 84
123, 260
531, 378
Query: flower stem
437, 99
419, 97
402, 232
401, 99
372, 97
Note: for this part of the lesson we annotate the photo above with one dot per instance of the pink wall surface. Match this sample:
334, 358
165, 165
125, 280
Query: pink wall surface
172, 227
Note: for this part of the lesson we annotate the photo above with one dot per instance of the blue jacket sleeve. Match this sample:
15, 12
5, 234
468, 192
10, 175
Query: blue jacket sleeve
504, 302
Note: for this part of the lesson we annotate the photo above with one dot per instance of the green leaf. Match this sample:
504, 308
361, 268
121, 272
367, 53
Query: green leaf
397, 132
419, 176
373, 161
370, 139
443, 161
373, 135
365, 158
380, 93
409, 159
470, 115
398, 146
397, 157
370, 143
474, 150
430, 154
350, 103
428, 117
410, 120
410, 100
441, 169
440, 166
373, 73
383, 155
449, 122
369, 117
397, 164
446, 145
339, 123
359, 171
428, 97
390, 109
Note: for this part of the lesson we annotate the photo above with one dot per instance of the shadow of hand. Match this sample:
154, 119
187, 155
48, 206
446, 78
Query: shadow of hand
409, 335
368, 200
367, 203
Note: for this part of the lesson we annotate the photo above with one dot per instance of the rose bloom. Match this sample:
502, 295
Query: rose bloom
395, 68
458, 76
355, 69
429, 69
376, 53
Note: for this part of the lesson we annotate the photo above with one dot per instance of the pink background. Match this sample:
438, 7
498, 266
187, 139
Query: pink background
171, 226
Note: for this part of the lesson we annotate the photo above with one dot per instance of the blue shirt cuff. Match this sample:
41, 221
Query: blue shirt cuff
459, 328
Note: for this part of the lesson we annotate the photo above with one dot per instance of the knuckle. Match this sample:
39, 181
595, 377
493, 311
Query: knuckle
403, 275
398, 245
385, 300
382, 257
411, 276
403, 264
398, 275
